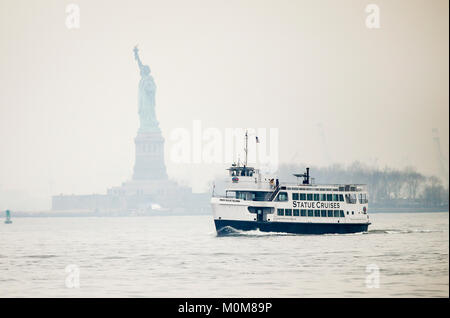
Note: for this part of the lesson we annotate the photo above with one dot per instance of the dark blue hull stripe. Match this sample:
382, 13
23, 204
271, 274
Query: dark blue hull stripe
287, 227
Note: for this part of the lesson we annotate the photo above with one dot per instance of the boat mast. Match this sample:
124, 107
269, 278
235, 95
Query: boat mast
246, 146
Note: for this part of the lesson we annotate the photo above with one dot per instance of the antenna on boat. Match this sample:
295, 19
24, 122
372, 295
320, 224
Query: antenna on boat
246, 146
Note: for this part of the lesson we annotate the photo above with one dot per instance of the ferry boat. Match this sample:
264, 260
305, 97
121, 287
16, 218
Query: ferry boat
252, 202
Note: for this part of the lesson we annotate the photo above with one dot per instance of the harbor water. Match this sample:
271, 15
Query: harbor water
402, 255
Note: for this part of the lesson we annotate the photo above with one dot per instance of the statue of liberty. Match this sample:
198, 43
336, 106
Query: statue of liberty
146, 97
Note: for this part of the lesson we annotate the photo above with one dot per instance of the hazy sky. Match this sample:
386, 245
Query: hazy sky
68, 102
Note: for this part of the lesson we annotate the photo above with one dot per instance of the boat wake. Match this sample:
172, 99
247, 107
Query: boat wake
231, 231
398, 231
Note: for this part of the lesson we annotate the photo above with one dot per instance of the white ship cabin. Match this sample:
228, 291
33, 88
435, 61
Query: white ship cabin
243, 177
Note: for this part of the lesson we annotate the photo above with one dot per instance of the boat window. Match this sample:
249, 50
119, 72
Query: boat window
288, 212
335, 197
280, 211
296, 212
341, 212
341, 197
330, 213
316, 212
282, 196
261, 195
302, 196
323, 197
350, 198
316, 197
230, 194
302, 212
323, 213
363, 198
245, 195
310, 212
336, 213
295, 196
309, 196
329, 197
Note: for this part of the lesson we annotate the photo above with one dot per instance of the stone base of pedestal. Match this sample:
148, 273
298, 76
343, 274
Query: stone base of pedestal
149, 162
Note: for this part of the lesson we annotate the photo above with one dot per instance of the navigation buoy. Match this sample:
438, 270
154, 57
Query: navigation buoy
8, 217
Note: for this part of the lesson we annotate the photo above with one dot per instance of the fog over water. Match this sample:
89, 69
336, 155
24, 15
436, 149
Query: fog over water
337, 91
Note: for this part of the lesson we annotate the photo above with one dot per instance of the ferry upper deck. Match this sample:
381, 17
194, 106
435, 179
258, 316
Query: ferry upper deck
246, 183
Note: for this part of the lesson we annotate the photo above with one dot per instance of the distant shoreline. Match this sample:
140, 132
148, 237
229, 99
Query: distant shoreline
407, 210
60, 214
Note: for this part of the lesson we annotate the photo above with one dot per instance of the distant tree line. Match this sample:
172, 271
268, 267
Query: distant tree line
387, 187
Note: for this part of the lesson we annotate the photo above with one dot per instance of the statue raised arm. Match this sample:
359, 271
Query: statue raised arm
145, 69
136, 56
146, 96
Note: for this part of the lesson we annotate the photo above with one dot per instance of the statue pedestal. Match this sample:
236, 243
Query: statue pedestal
149, 163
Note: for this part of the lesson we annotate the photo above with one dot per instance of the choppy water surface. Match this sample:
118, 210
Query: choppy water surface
183, 257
